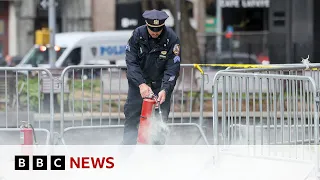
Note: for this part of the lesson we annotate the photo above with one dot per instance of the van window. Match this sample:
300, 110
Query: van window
74, 58
41, 56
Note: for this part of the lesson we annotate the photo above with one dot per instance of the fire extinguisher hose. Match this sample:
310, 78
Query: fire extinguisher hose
34, 134
155, 97
160, 112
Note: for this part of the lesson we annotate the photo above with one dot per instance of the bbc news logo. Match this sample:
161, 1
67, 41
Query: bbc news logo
60, 163
39, 163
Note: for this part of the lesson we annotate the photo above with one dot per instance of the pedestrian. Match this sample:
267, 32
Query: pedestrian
9, 61
153, 66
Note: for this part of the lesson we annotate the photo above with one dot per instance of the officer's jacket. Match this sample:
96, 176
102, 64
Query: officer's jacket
159, 65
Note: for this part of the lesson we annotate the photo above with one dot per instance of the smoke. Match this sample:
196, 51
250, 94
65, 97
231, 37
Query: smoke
158, 130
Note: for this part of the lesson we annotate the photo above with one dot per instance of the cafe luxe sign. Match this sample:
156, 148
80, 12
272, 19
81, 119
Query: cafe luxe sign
245, 3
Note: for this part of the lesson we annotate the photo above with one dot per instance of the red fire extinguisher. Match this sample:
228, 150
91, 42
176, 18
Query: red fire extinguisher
146, 112
27, 137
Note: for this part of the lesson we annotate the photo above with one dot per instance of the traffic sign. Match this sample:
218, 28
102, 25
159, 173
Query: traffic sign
44, 4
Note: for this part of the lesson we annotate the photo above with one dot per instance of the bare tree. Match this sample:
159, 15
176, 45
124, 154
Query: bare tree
189, 44
190, 53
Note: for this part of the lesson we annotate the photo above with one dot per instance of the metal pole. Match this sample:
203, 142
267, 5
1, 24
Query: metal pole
178, 18
289, 33
201, 100
219, 26
52, 27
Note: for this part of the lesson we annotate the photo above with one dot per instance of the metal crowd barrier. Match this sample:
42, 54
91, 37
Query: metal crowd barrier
277, 106
302, 96
22, 101
97, 95
311, 70
282, 107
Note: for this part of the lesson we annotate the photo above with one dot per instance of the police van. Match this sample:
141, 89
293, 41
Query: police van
81, 48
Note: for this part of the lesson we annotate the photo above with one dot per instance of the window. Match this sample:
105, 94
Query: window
41, 55
74, 58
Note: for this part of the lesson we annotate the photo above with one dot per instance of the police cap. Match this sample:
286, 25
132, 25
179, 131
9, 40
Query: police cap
155, 18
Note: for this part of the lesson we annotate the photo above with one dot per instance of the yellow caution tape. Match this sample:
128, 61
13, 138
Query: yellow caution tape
198, 66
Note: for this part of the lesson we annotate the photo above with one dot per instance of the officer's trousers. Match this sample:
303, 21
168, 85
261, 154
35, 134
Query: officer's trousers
132, 112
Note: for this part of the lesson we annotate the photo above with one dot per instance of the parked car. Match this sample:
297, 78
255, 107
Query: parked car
234, 58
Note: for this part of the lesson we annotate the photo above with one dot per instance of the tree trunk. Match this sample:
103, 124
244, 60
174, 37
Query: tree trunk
149, 5
190, 49
190, 53
145, 5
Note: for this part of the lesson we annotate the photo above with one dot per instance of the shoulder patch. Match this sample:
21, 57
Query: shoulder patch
176, 49
128, 47
176, 59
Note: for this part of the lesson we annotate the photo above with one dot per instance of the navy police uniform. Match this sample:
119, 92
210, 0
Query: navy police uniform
153, 61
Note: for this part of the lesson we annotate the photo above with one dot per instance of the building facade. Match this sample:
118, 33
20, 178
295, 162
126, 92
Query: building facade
293, 29
103, 15
19, 19
4, 30
291, 24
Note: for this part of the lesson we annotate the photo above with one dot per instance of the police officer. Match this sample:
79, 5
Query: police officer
153, 66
